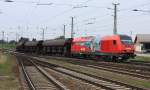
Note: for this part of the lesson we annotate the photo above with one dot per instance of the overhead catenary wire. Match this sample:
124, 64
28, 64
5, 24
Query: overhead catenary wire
69, 11
64, 12
96, 19
137, 6
57, 15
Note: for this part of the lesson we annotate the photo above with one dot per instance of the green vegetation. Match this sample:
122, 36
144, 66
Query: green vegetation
5, 64
8, 76
7, 46
141, 58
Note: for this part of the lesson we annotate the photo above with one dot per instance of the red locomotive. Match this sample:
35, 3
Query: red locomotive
117, 47
82, 46
112, 48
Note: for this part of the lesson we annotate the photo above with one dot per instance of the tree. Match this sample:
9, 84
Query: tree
60, 37
2, 41
12, 42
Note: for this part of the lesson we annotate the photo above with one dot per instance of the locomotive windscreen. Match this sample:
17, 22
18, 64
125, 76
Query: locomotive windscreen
126, 39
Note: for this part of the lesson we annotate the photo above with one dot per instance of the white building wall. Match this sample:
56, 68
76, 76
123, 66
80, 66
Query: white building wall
138, 47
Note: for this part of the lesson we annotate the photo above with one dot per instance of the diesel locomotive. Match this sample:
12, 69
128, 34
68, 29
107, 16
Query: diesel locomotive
110, 48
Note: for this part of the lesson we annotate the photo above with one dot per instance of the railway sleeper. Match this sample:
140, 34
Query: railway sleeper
106, 84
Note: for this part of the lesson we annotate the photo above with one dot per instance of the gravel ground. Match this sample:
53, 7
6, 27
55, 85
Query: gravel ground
22, 80
40, 82
110, 75
72, 83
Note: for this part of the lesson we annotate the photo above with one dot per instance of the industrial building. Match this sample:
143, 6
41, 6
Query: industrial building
142, 43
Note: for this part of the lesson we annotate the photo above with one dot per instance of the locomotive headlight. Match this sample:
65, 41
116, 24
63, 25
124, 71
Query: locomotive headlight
128, 48
82, 49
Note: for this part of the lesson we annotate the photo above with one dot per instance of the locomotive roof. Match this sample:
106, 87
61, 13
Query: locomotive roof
31, 43
111, 37
114, 37
82, 39
59, 42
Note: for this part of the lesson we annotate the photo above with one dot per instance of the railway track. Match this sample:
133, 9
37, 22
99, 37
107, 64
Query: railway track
132, 62
121, 71
44, 70
98, 81
71, 73
37, 78
142, 71
134, 70
135, 62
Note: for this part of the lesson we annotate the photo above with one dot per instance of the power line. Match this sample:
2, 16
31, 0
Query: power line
105, 25
25, 2
129, 9
64, 12
86, 1
98, 18
59, 14
148, 11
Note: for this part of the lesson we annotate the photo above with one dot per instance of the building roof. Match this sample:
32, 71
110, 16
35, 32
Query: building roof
142, 38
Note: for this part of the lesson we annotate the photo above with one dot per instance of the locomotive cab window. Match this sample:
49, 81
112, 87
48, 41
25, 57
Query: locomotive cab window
126, 39
114, 42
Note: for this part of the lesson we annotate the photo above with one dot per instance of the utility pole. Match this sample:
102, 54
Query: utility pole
131, 33
17, 37
43, 33
7, 40
64, 30
72, 27
27, 28
19, 29
115, 18
2, 40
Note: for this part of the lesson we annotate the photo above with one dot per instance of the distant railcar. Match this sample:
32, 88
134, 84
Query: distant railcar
31, 46
60, 46
20, 47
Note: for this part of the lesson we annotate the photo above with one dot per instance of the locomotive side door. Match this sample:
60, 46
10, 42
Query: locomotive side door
67, 47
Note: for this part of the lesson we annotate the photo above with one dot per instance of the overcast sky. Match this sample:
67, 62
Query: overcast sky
27, 17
